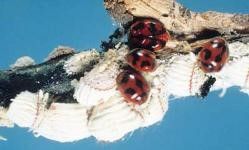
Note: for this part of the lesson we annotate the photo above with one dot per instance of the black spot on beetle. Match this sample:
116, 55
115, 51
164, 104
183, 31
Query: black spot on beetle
137, 42
153, 42
153, 28
145, 63
135, 58
139, 83
207, 54
125, 78
130, 91
218, 58
150, 44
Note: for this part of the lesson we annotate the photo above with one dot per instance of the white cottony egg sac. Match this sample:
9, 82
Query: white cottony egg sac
236, 70
25, 106
238, 49
108, 121
184, 76
99, 84
156, 106
154, 111
62, 122
23, 62
4, 119
102, 112
89, 96
234, 73
113, 119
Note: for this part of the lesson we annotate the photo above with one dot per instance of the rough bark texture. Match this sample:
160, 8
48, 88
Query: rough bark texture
176, 17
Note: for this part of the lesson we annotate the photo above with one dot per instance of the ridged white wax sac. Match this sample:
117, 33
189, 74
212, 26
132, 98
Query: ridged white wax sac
235, 73
238, 49
89, 96
113, 119
23, 62
62, 123
99, 84
4, 119
25, 107
154, 109
156, 106
76, 63
184, 78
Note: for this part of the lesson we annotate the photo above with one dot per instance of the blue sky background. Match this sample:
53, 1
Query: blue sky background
34, 28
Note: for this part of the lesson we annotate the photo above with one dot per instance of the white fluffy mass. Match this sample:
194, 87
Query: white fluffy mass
99, 84
23, 62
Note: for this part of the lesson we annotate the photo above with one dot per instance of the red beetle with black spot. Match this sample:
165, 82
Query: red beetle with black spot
147, 33
213, 55
141, 60
132, 86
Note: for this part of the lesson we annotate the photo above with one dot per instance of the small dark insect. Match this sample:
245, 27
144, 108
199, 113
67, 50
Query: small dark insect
205, 88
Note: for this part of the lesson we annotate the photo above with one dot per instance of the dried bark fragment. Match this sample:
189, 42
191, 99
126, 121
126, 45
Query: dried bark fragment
176, 17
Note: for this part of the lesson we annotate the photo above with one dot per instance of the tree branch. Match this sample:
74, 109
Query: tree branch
88, 77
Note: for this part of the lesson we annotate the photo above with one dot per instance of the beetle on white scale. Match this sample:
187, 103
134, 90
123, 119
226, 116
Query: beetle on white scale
236, 71
101, 111
97, 115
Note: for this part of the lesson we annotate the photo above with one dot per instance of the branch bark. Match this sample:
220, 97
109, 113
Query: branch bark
176, 17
